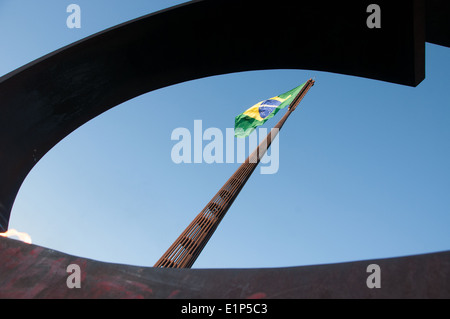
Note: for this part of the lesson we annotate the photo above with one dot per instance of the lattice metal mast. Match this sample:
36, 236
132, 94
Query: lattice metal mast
188, 246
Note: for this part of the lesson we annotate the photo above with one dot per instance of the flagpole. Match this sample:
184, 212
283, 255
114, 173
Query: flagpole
265, 144
188, 246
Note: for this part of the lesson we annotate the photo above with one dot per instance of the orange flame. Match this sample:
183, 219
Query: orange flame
22, 236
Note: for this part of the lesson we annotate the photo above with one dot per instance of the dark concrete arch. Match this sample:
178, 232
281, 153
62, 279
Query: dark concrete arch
45, 100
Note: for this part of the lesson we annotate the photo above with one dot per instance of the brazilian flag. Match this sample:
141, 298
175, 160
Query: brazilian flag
258, 114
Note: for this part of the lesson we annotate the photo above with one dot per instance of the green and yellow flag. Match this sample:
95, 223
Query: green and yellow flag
245, 123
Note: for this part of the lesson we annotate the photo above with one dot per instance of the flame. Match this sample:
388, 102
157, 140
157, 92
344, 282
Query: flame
22, 236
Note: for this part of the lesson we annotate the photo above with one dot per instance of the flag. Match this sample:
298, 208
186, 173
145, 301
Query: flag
245, 123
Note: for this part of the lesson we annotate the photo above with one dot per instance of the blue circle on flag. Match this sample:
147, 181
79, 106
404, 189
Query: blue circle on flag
267, 107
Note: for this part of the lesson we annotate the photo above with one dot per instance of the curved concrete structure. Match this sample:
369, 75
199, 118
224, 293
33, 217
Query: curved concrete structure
45, 100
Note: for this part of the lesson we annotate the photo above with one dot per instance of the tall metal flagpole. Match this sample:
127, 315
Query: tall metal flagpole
188, 246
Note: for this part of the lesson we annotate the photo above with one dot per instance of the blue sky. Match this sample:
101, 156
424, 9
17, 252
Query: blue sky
364, 165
